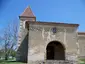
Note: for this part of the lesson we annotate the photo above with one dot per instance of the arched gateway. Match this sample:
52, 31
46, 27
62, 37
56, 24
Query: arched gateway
55, 51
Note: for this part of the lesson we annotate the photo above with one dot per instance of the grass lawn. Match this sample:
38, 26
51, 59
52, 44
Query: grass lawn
11, 62
81, 61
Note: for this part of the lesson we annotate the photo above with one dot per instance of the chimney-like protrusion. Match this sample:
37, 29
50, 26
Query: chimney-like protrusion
27, 15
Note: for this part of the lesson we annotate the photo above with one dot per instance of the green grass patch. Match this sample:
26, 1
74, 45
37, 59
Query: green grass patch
81, 61
10, 62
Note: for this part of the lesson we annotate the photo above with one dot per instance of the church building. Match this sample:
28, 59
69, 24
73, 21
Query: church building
41, 42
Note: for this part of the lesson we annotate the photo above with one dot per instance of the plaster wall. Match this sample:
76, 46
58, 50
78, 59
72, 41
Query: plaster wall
41, 35
81, 41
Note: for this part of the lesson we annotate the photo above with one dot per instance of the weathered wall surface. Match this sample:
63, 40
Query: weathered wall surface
81, 41
22, 43
41, 35
22, 51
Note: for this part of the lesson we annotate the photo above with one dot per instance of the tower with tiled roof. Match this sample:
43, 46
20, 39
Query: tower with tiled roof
26, 16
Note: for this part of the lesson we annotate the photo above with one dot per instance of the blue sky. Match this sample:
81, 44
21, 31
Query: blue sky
68, 11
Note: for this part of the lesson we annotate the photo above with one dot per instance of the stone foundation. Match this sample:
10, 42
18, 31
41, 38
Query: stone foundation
54, 62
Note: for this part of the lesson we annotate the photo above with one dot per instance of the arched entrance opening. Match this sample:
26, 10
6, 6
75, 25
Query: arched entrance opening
55, 51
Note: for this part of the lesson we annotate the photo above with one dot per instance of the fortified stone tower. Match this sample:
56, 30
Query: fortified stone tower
26, 16
48, 42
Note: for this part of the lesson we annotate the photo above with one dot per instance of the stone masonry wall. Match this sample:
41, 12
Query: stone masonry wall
81, 41
22, 43
41, 35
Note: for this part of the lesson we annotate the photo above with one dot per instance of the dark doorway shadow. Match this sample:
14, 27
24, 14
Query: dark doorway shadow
55, 51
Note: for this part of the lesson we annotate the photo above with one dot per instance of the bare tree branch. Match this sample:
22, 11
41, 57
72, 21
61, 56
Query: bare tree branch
10, 39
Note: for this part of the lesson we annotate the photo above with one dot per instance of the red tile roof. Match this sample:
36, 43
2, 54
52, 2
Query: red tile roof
27, 12
55, 24
81, 33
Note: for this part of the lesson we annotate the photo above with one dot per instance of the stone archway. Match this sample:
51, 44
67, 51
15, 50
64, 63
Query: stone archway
55, 51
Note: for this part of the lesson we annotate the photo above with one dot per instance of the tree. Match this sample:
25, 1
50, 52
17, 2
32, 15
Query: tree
10, 39
1, 48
